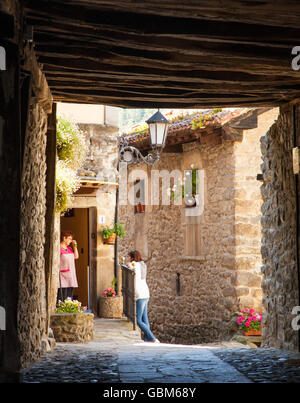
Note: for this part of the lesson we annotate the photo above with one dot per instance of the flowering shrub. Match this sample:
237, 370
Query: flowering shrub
69, 306
66, 183
70, 143
109, 292
71, 151
249, 320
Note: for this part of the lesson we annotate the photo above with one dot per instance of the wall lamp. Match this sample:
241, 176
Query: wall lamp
158, 130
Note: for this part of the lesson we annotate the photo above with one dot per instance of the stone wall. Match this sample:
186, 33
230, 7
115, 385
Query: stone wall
32, 298
73, 327
280, 283
196, 298
102, 149
25, 104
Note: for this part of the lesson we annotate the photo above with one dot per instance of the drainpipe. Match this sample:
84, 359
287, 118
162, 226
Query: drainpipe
297, 215
116, 241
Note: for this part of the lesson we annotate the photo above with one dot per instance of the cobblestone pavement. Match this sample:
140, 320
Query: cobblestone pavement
264, 365
117, 355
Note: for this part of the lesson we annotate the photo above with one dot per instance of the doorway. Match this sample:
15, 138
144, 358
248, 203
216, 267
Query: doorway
77, 221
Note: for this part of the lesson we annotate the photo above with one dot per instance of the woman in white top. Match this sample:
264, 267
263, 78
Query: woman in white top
141, 294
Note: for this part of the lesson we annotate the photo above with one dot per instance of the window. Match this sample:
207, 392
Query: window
139, 196
193, 214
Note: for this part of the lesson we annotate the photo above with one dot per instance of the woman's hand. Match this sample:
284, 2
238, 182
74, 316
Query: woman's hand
76, 254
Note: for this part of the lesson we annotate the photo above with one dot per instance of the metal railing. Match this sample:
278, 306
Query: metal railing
128, 292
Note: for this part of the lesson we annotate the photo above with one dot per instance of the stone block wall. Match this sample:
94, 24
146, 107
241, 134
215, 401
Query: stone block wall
26, 101
279, 238
248, 202
73, 327
32, 298
197, 298
102, 151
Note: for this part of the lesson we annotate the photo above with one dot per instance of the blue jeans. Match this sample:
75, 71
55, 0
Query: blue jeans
142, 318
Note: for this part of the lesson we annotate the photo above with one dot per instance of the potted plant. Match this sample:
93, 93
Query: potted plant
110, 304
109, 234
71, 323
250, 322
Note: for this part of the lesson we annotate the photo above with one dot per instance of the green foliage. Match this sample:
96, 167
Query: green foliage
107, 232
117, 228
113, 283
66, 184
200, 122
178, 191
69, 306
71, 152
70, 143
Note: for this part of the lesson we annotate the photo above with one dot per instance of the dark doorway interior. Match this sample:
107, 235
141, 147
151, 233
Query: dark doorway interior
76, 220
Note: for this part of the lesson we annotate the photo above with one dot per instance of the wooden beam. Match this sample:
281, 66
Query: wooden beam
268, 12
134, 20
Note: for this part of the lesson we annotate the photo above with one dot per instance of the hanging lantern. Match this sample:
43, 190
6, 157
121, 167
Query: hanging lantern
158, 129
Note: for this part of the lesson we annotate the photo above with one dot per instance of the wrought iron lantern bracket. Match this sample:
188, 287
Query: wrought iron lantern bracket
131, 155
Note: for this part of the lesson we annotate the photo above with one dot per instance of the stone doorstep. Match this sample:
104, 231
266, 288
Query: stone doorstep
252, 341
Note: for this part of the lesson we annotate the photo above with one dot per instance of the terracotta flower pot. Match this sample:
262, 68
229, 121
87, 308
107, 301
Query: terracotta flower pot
110, 240
252, 332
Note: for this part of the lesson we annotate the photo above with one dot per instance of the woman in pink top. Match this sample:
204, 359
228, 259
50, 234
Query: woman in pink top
67, 274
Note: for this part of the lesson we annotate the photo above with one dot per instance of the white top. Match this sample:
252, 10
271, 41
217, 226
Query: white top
141, 287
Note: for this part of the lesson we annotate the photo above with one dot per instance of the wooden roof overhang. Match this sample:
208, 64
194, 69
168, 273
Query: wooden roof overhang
90, 186
164, 53
213, 133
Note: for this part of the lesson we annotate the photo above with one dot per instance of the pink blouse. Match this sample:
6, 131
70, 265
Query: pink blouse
67, 268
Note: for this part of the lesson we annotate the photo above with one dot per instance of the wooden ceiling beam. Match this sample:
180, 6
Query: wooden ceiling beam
186, 89
265, 12
65, 96
180, 77
146, 68
53, 31
153, 23
279, 59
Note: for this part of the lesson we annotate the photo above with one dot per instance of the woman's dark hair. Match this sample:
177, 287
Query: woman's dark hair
135, 255
65, 234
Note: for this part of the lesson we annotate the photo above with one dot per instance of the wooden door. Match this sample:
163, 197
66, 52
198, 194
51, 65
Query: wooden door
77, 222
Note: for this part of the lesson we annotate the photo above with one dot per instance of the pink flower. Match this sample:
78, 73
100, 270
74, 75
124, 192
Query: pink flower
247, 324
251, 310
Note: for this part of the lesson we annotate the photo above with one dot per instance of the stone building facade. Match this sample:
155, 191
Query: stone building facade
94, 204
203, 269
